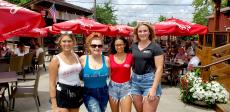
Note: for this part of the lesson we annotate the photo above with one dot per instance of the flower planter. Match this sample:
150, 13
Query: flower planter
200, 103
194, 90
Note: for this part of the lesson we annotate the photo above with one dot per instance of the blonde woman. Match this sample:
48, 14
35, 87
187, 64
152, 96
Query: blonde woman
147, 70
94, 75
64, 83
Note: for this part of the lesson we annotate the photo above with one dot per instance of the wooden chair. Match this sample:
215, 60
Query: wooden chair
26, 91
27, 62
40, 61
16, 64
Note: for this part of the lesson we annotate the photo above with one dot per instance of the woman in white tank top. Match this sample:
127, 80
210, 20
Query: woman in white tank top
65, 91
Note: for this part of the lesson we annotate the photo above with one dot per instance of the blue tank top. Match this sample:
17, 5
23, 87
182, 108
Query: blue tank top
95, 78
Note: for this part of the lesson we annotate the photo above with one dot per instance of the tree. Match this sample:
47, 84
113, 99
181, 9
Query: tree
201, 11
105, 14
203, 8
19, 2
162, 18
133, 24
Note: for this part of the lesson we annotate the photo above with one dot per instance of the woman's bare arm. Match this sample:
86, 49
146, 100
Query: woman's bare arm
53, 71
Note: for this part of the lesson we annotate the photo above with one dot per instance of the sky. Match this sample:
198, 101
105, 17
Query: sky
144, 10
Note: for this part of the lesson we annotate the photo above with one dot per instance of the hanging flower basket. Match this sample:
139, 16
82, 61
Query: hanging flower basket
194, 90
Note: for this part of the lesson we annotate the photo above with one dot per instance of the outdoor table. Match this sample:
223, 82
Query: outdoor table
4, 59
174, 68
8, 77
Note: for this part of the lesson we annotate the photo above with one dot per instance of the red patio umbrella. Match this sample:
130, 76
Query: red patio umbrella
112, 32
15, 20
81, 25
124, 30
36, 32
178, 27
89, 25
71, 25
119, 30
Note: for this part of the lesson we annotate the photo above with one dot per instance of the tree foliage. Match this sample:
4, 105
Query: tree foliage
105, 14
19, 2
224, 3
133, 24
162, 18
203, 8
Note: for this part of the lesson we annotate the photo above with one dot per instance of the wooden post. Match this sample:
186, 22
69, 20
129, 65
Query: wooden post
213, 40
204, 40
228, 38
217, 14
206, 59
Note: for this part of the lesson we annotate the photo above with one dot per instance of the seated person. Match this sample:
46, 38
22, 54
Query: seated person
38, 50
194, 61
20, 50
181, 56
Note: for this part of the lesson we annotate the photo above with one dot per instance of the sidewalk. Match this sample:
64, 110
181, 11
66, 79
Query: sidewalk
170, 100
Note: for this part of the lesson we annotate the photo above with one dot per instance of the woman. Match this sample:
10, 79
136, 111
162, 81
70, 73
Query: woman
120, 85
94, 75
147, 70
181, 56
64, 82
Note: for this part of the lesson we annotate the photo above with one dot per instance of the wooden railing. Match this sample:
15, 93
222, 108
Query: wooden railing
212, 58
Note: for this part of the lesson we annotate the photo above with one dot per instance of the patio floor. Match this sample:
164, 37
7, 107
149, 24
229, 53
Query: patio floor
170, 100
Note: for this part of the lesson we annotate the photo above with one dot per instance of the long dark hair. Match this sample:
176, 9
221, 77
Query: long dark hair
113, 50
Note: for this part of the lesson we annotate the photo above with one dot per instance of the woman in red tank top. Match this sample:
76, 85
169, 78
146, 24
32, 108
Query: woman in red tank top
119, 86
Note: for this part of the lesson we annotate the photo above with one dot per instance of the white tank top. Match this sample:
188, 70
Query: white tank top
69, 74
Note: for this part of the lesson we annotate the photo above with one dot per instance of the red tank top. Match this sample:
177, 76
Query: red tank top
121, 72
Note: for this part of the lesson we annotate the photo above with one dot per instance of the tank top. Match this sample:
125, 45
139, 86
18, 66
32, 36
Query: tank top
95, 78
69, 74
120, 73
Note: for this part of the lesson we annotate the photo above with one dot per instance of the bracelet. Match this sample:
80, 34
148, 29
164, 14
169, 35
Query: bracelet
52, 97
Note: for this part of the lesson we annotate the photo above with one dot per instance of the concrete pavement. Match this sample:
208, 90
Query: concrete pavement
169, 102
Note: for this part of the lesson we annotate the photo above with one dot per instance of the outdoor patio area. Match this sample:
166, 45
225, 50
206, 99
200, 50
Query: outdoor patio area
170, 100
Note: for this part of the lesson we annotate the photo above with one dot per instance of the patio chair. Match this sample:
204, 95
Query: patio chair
16, 64
27, 62
24, 91
40, 61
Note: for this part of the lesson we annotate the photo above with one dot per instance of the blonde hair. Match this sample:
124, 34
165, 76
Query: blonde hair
58, 41
151, 31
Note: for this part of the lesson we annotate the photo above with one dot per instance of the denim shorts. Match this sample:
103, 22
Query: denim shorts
141, 84
96, 99
119, 90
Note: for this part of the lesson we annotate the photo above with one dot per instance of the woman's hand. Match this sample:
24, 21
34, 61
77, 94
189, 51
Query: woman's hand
152, 94
56, 109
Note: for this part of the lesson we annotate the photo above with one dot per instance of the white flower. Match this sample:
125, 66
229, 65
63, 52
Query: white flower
210, 92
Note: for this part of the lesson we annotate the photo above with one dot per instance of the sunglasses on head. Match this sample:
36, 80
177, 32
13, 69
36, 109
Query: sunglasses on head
95, 45
66, 32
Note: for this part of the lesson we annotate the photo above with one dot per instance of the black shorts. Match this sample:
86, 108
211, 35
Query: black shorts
69, 96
